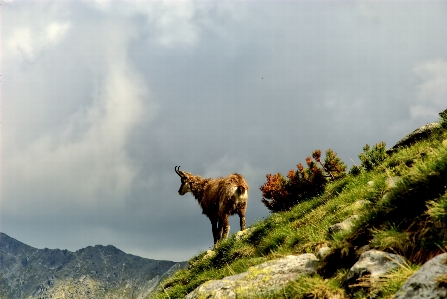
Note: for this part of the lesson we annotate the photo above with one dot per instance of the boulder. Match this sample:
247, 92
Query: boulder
371, 265
424, 283
259, 279
361, 203
418, 134
244, 234
392, 182
322, 252
344, 225
209, 254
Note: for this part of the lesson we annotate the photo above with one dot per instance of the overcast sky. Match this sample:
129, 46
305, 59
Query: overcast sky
101, 99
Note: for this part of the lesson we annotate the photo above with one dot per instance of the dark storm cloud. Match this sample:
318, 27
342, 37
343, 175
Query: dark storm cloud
102, 99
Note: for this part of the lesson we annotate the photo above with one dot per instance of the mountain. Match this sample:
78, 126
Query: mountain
91, 272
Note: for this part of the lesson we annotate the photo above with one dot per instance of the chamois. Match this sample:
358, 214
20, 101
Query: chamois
219, 199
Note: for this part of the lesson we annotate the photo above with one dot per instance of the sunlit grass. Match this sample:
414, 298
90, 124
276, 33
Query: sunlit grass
394, 219
391, 239
437, 209
387, 285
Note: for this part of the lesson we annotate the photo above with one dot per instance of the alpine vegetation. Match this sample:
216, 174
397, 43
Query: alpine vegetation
282, 194
392, 218
219, 199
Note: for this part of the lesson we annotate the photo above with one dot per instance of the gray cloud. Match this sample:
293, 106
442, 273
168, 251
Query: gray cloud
102, 99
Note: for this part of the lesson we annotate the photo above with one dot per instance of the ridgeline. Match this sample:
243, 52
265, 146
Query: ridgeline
93, 272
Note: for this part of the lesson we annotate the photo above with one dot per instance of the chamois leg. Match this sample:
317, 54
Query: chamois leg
225, 228
242, 221
215, 230
218, 233
241, 214
219, 230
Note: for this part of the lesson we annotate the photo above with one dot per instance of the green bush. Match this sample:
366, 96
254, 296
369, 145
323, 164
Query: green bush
355, 170
372, 157
443, 121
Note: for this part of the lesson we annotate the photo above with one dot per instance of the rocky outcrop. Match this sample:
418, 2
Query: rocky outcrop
392, 182
209, 254
418, 134
259, 279
244, 234
323, 252
345, 225
359, 204
371, 265
92, 272
429, 282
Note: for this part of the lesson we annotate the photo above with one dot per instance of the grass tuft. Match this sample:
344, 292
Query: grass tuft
391, 240
441, 281
437, 209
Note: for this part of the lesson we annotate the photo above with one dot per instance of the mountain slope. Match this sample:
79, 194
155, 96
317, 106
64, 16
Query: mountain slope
92, 272
401, 207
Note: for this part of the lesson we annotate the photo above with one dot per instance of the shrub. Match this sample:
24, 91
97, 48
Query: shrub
372, 157
355, 170
443, 121
281, 194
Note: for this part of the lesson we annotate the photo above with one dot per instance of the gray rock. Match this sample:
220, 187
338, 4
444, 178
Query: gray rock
322, 252
371, 265
363, 249
392, 182
418, 134
344, 225
209, 254
423, 284
361, 203
244, 234
259, 279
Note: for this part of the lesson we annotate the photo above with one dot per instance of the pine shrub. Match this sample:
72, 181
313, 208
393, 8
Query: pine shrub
372, 157
281, 194
443, 121
355, 170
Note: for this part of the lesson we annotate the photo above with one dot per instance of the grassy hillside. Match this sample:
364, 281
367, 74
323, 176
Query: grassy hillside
411, 220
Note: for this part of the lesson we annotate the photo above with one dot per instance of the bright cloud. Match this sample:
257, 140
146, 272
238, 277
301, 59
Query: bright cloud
94, 166
172, 23
176, 26
86, 163
26, 41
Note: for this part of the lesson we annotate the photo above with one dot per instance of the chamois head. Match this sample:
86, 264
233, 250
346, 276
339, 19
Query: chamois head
184, 176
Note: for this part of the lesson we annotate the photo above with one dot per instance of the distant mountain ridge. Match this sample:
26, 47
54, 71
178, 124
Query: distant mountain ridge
91, 272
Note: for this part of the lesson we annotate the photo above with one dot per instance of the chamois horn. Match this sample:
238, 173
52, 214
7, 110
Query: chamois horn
178, 171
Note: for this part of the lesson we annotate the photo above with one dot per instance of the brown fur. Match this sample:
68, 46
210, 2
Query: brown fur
219, 199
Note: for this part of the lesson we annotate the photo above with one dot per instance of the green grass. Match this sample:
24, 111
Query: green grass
409, 219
